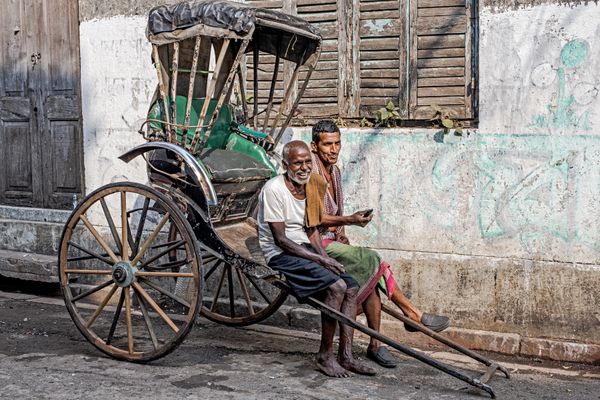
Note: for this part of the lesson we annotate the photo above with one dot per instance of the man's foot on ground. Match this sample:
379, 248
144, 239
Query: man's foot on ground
382, 356
357, 368
436, 323
330, 367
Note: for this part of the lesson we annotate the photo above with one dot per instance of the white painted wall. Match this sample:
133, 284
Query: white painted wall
117, 81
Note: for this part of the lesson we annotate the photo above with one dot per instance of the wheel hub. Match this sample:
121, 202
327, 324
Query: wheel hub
123, 273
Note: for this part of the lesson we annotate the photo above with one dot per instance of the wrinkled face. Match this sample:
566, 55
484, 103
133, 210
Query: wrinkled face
328, 148
298, 165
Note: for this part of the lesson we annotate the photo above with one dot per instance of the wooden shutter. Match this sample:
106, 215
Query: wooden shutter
322, 93
382, 59
440, 58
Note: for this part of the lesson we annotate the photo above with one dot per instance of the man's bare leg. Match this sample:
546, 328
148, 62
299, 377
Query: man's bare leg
372, 309
408, 308
345, 357
325, 360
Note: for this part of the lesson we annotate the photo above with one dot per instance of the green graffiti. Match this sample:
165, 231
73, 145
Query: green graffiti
562, 114
574, 53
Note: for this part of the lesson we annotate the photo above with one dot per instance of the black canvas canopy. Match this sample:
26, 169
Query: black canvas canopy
273, 32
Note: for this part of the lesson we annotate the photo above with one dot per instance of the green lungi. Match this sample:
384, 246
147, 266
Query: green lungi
360, 262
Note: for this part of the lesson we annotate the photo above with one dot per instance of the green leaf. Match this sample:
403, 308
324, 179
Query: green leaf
458, 132
396, 114
390, 105
447, 123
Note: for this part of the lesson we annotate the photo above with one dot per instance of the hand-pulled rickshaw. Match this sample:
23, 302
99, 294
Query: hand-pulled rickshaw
137, 263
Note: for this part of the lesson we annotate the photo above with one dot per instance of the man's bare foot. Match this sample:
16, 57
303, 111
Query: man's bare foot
328, 365
354, 366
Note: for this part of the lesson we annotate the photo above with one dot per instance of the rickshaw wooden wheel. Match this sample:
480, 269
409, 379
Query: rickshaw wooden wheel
236, 298
132, 291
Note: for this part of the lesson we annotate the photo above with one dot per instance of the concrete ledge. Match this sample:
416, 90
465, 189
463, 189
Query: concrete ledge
28, 266
305, 319
587, 353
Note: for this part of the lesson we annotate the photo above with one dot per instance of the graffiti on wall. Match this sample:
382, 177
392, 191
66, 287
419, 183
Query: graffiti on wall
528, 192
570, 108
527, 188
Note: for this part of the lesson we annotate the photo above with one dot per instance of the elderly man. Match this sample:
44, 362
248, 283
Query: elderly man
296, 252
362, 263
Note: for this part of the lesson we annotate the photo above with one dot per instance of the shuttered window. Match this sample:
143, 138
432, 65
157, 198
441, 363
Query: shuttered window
381, 72
440, 58
321, 96
417, 53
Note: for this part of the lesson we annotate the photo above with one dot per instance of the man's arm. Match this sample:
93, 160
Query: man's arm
291, 247
358, 218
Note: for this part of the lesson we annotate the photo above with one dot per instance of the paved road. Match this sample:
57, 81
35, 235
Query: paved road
43, 356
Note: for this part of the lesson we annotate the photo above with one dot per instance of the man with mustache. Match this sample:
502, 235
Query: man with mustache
362, 263
295, 251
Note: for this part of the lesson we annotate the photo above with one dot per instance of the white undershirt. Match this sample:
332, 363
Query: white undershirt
277, 204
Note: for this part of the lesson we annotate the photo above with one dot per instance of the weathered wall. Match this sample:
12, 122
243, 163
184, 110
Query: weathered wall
499, 229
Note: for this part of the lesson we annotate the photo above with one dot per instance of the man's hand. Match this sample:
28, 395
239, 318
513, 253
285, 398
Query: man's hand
361, 218
342, 239
332, 265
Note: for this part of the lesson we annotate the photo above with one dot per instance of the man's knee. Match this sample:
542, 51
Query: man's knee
338, 288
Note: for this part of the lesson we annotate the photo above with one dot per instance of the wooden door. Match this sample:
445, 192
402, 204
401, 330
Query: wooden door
41, 145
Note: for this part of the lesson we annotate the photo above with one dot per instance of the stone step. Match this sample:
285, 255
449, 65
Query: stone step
28, 266
31, 230
30, 236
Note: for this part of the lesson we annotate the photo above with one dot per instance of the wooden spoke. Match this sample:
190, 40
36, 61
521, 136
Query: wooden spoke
111, 224
155, 306
91, 291
101, 306
240, 275
259, 290
96, 235
150, 239
140, 229
162, 253
165, 274
212, 269
230, 284
113, 325
124, 224
166, 244
89, 271
147, 320
214, 303
170, 264
129, 322
91, 253
165, 292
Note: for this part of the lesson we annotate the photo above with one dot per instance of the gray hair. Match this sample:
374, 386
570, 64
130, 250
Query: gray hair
285, 153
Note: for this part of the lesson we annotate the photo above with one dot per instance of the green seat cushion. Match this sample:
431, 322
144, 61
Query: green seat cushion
233, 166
237, 143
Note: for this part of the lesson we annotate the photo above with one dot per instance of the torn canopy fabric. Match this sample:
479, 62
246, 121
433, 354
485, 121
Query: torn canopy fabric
272, 31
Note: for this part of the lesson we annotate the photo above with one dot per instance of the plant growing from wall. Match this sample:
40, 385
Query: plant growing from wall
443, 119
386, 116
